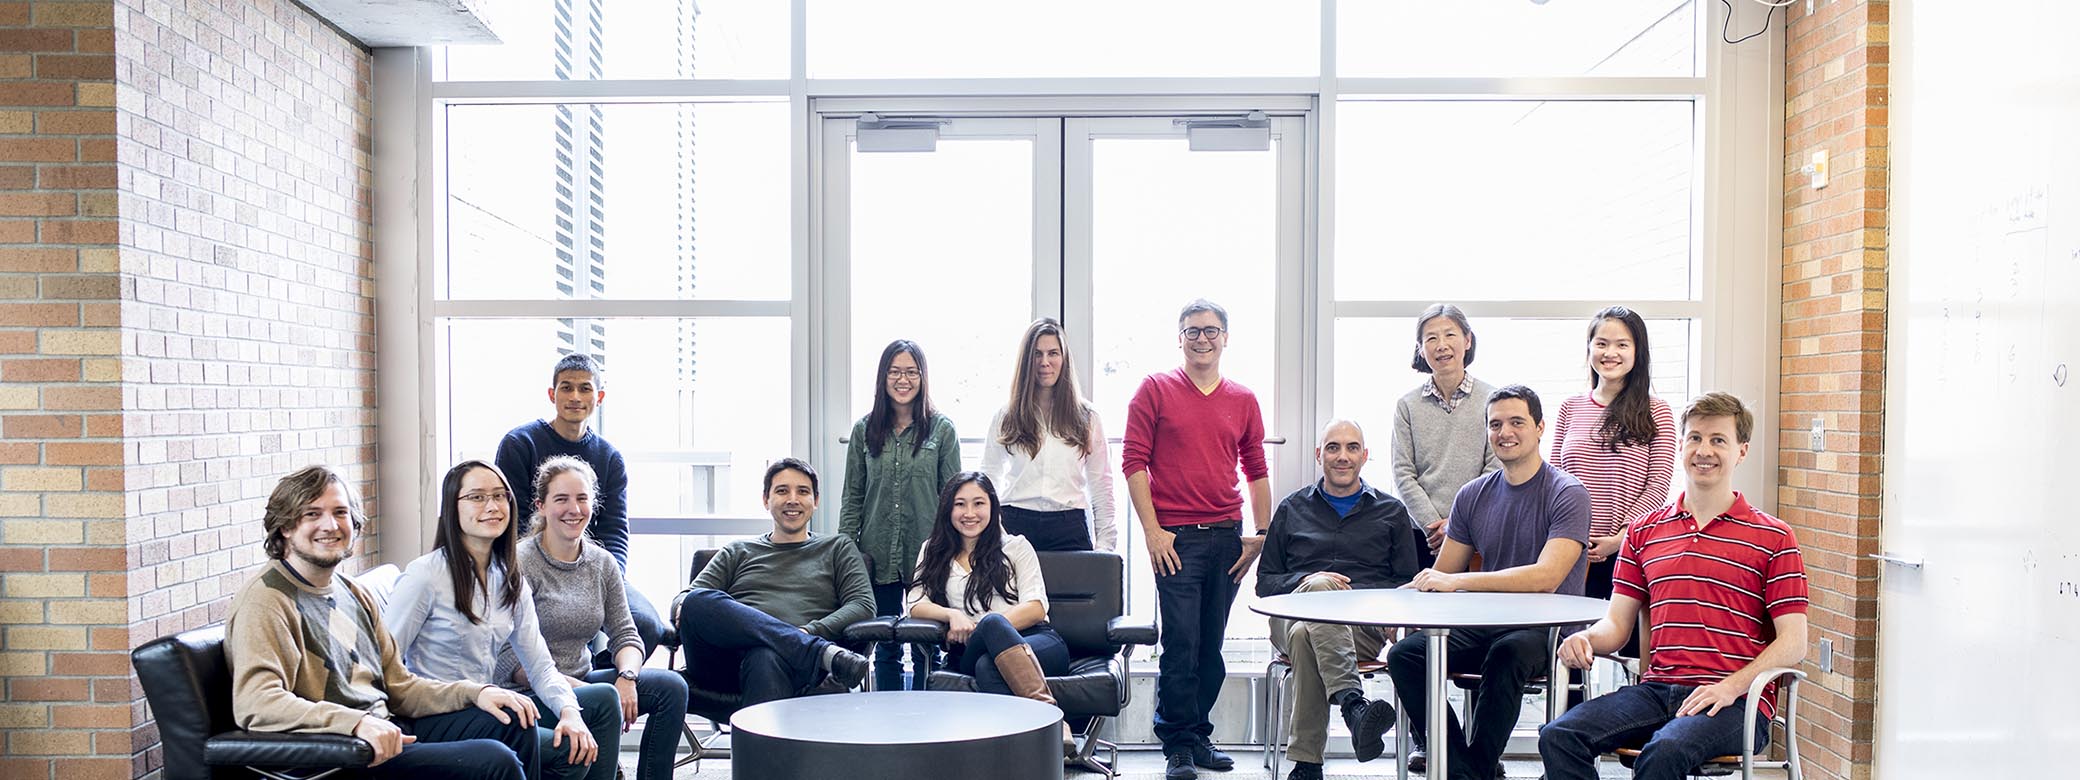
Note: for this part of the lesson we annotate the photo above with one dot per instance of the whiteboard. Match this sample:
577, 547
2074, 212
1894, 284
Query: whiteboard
1979, 649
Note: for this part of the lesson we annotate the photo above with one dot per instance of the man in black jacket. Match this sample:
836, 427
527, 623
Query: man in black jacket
1337, 534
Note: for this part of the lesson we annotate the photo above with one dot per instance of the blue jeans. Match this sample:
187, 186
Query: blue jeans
1193, 608
888, 656
1506, 659
661, 695
467, 744
993, 634
1644, 714
733, 647
601, 708
1060, 530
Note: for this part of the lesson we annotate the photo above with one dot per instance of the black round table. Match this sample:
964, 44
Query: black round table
898, 735
1438, 614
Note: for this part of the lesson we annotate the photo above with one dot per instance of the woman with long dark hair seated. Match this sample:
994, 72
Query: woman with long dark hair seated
985, 586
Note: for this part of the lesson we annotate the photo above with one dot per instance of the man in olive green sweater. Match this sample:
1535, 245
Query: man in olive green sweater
765, 615
309, 654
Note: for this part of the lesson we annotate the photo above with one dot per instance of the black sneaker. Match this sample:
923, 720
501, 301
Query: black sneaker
1303, 770
1418, 761
1207, 756
1368, 722
1180, 767
848, 668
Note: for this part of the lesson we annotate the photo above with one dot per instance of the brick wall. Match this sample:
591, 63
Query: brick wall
64, 564
1833, 365
185, 315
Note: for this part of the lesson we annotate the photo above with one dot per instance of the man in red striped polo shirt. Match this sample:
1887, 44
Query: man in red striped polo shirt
1724, 591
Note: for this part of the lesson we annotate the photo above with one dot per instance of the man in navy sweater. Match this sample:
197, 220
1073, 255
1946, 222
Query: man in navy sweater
577, 387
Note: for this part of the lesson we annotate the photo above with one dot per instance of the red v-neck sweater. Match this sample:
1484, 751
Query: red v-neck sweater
1190, 444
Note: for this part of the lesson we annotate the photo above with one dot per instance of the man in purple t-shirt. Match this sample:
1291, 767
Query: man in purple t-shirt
1529, 523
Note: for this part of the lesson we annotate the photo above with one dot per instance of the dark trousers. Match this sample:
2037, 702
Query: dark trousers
888, 656
732, 647
1192, 606
661, 695
1062, 530
1506, 659
467, 744
1645, 715
600, 706
993, 634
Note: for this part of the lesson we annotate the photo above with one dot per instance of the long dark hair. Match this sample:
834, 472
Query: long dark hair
1630, 418
989, 572
447, 538
1066, 416
881, 422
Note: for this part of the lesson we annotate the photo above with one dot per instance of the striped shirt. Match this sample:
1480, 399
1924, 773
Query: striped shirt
1712, 594
1622, 485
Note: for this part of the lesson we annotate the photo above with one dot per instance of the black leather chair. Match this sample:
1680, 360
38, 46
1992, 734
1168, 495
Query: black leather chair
1085, 604
717, 706
187, 682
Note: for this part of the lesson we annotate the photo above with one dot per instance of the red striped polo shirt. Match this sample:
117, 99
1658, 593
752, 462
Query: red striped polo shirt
1712, 594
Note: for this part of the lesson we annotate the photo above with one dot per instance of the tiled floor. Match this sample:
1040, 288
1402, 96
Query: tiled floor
1148, 765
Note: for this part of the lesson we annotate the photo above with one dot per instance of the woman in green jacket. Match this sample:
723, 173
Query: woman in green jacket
895, 462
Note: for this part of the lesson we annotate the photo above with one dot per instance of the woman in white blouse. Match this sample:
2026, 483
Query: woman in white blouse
456, 607
1049, 452
985, 585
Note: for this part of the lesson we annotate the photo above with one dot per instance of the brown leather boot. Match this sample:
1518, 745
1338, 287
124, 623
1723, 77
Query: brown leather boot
1021, 670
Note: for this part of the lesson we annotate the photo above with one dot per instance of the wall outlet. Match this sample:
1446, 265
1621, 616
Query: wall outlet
1819, 436
1827, 656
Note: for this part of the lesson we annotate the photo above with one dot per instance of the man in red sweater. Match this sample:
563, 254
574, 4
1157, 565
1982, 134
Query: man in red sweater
1188, 430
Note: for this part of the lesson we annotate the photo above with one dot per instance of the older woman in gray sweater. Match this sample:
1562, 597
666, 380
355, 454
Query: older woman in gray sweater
1441, 427
578, 594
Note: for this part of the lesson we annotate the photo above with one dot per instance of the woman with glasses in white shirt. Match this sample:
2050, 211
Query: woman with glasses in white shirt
1048, 450
455, 608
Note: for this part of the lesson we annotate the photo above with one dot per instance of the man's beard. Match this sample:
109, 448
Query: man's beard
321, 562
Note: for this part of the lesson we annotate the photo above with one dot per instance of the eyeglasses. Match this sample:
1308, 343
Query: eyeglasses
479, 498
1210, 332
904, 373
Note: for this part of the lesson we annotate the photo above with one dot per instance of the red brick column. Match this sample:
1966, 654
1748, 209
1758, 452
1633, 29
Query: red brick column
1833, 365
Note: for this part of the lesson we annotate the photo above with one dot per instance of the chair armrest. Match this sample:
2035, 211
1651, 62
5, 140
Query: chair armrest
916, 631
1130, 630
1754, 703
878, 629
286, 750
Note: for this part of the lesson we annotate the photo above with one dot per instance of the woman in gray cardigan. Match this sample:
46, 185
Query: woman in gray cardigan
578, 594
1440, 427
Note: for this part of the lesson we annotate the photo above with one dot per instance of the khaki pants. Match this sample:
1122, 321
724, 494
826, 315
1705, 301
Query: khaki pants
1324, 657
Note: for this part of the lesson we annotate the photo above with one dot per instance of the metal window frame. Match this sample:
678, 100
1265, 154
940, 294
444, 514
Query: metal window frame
1738, 210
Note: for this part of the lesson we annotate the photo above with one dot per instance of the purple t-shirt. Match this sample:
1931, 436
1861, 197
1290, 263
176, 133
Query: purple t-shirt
1508, 525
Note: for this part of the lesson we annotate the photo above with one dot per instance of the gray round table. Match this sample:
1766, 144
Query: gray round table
898, 735
1438, 614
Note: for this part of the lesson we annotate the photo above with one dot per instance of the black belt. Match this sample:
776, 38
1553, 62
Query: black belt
1224, 525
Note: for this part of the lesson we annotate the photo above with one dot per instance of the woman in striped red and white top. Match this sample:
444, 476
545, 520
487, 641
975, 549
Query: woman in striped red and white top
1618, 439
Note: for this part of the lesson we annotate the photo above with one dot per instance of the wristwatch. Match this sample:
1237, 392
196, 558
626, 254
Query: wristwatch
627, 674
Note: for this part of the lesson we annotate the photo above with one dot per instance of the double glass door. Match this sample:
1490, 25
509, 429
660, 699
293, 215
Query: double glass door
1109, 224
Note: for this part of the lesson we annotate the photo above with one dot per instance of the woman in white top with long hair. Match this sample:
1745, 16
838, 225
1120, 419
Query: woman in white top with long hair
985, 585
1048, 450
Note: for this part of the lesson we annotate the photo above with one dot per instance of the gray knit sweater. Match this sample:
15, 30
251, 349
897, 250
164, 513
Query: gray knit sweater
574, 601
1437, 452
